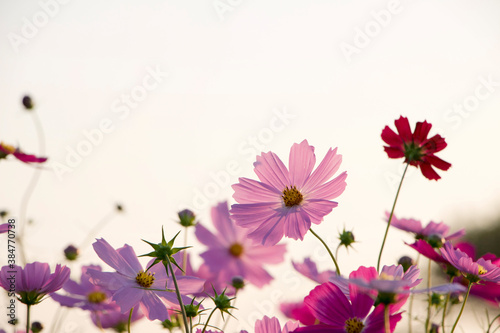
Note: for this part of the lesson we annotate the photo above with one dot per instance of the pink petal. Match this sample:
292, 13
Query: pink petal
255, 274
271, 231
267, 325
252, 215
394, 152
111, 257
421, 132
224, 225
317, 209
429, 172
330, 190
153, 307
26, 158
267, 255
128, 297
410, 225
272, 171
325, 170
301, 163
296, 224
437, 162
329, 304
128, 253
205, 236
391, 138
252, 191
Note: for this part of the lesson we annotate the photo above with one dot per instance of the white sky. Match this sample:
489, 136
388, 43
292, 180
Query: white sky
223, 78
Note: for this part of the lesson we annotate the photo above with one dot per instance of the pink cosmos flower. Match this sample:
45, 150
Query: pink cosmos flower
286, 201
230, 253
132, 285
415, 147
338, 314
85, 295
474, 271
439, 230
6, 150
272, 325
34, 281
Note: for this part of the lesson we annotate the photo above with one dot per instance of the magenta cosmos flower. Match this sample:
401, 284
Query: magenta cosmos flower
4, 228
474, 271
432, 232
85, 295
286, 201
337, 314
6, 150
34, 281
416, 148
133, 286
230, 253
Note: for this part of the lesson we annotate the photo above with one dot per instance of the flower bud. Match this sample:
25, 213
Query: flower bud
71, 252
406, 262
238, 282
28, 102
36, 327
187, 218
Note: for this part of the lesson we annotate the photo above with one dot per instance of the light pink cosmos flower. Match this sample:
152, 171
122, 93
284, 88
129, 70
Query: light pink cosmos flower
286, 201
34, 281
230, 253
132, 285
272, 325
308, 269
474, 271
439, 230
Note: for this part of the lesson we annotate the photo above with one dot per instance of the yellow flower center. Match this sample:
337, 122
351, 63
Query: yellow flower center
385, 276
96, 297
236, 250
145, 280
354, 325
481, 270
291, 196
10, 149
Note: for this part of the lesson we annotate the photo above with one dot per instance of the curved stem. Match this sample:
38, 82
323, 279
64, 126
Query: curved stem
446, 306
179, 298
390, 218
130, 319
208, 319
28, 318
387, 322
463, 306
328, 249
491, 323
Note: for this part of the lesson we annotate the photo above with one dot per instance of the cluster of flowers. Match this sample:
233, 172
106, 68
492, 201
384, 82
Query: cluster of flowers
284, 202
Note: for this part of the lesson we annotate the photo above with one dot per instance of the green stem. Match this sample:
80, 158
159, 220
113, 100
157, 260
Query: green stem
387, 322
28, 318
410, 306
446, 306
429, 298
463, 306
208, 319
328, 249
179, 298
129, 319
491, 324
390, 218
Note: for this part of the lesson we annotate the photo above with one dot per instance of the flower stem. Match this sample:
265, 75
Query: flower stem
463, 306
130, 319
179, 298
328, 249
387, 322
446, 306
429, 297
208, 319
28, 317
390, 218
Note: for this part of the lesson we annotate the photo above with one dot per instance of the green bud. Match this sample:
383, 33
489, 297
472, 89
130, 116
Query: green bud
187, 218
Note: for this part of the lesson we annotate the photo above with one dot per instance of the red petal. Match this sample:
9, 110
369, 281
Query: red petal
435, 144
428, 171
26, 158
404, 129
391, 138
437, 162
394, 152
421, 132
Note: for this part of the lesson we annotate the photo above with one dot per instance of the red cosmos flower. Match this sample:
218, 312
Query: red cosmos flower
6, 150
415, 147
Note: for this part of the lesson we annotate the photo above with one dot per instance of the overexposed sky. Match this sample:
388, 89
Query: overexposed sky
162, 105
